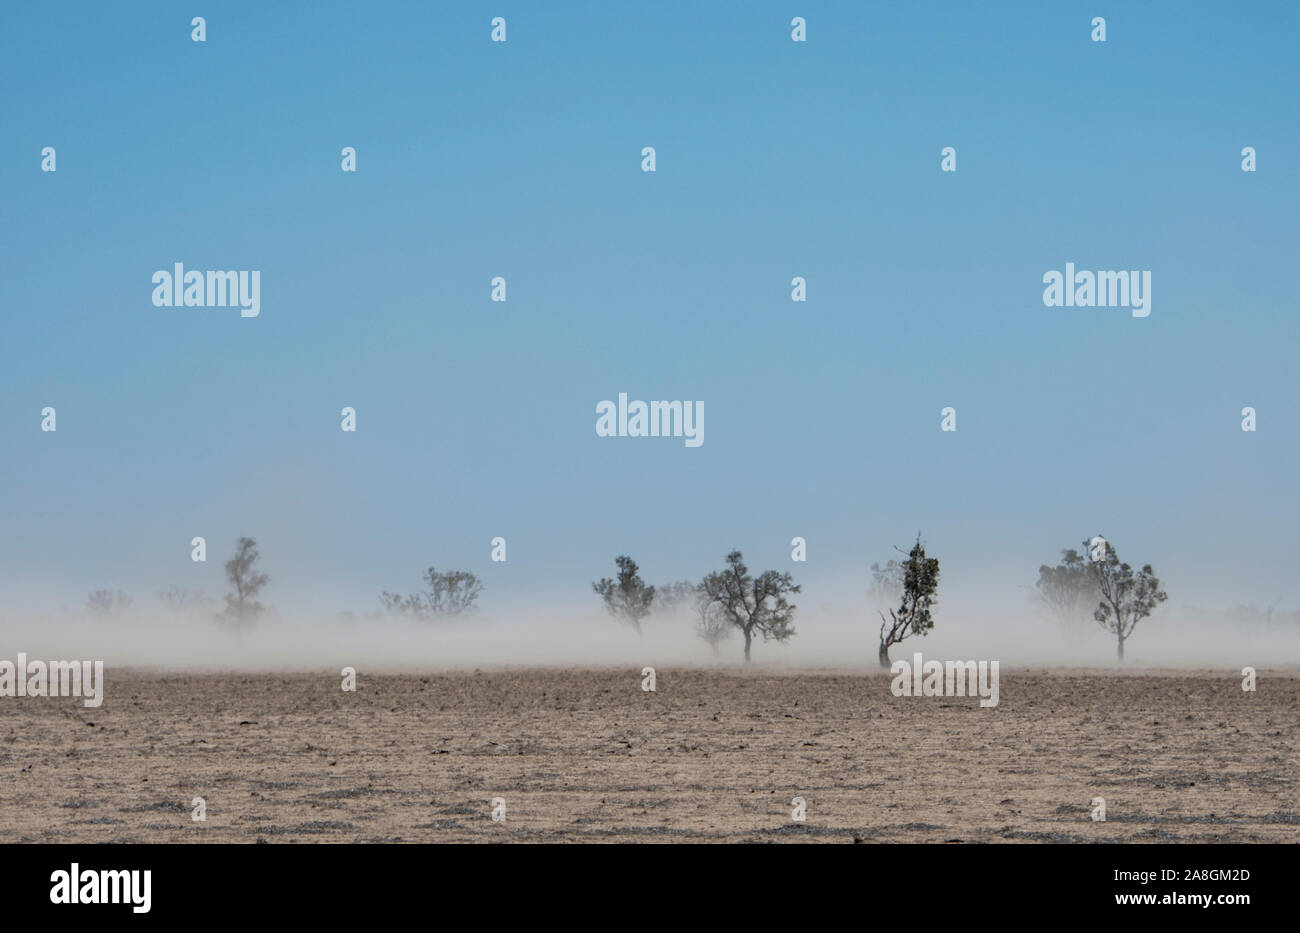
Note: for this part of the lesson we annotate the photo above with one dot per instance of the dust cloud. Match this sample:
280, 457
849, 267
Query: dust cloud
826, 637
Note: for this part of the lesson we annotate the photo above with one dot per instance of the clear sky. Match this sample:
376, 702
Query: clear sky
775, 159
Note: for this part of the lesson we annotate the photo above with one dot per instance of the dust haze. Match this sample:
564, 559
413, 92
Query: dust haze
828, 636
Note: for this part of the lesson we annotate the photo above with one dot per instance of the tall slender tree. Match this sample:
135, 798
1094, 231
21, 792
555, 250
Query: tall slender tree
242, 606
915, 613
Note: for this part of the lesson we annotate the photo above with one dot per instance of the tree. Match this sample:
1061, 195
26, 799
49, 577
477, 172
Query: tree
1068, 590
711, 624
399, 605
450, 593
627, 598
886, 584
1126, 597
671, 597
108, 602
242, 606
914, 615
181, 599
756, 606
1268, 613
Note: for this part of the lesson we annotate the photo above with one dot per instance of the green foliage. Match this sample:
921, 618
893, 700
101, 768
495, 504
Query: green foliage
1127, 597
627, 598
1068, 590
756, 606
449, 593
915, 613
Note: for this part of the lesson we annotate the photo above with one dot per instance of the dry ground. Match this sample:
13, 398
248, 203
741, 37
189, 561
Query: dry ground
714, 755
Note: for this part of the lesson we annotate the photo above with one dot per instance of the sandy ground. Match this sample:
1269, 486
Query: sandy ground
713, 755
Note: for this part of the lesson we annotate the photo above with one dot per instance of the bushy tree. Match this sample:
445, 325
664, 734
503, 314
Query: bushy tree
452, 593
399, 605
915, 613
672, 597
627, 598
1068, 590
448, 593
754, 605
886, 584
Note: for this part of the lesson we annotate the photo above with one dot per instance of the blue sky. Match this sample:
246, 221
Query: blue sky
775, 159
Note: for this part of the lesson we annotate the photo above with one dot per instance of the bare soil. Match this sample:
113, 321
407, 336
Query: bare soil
711, 756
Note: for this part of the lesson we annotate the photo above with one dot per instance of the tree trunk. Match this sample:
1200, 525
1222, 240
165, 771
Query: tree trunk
884, 656
714, 646
748, 639
1120, 650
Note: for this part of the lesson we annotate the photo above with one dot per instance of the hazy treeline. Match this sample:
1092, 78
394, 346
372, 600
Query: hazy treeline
1088, 590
